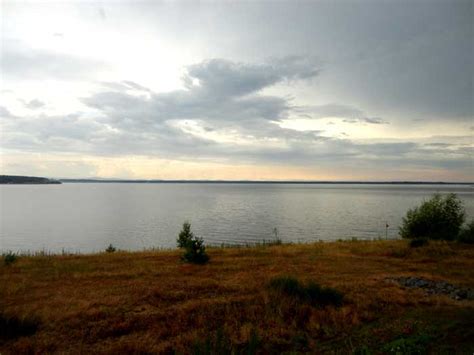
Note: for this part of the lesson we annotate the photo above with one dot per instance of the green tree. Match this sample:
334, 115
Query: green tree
438, 218
185, 236
194, 249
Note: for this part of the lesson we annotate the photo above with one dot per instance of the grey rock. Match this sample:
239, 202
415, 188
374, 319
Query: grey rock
432, 287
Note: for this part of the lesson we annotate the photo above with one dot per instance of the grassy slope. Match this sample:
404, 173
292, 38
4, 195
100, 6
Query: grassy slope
151, 302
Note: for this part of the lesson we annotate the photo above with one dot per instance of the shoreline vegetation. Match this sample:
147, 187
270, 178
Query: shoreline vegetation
22, 180
331, 297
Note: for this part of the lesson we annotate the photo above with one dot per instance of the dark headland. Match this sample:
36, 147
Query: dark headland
15, 179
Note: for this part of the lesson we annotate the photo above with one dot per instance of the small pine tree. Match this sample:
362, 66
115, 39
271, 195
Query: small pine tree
111, 249
185, 236
194, 249
9, 258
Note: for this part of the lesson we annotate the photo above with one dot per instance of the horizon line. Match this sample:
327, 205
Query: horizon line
244, 181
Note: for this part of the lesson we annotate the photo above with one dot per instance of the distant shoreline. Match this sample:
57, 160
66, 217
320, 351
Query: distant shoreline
15, 179
264, 182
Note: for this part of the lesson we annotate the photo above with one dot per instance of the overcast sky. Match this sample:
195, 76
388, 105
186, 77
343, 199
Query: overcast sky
313, 90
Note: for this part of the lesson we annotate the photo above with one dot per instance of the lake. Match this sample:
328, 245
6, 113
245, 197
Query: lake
87, 217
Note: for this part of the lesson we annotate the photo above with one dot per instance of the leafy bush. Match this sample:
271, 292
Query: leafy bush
194, 249
9, 258
438, 218
467, 234
313, 293
418, 242
111, 249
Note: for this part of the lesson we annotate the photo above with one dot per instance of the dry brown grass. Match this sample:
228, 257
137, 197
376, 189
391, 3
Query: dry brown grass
151, 302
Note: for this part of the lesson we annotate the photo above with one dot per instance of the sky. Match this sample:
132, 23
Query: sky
255, 90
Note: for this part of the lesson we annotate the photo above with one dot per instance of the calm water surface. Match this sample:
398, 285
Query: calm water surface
88, 217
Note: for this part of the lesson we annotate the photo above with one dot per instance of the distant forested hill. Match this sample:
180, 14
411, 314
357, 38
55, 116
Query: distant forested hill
13, 179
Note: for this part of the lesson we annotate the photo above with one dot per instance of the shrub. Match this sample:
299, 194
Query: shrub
418, 242
12, 327
9, 258
323, 296
467, 234
194, 249
111, 249
287, 285
313, 293
437, 218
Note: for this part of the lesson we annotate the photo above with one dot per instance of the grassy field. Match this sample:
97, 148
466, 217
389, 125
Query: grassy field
151, 302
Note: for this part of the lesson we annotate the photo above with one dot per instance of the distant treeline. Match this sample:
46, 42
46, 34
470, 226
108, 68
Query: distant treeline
13, 179
265, 182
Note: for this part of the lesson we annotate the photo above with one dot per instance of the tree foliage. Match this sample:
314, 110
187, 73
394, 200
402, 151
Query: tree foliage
194, 249
467, 234
438, 218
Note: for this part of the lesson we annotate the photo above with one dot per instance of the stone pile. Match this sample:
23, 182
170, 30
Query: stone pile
435, 287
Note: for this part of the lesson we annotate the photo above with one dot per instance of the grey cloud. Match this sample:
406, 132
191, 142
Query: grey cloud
328, 110
5, 113
124, 86
136, 86
383, 150
135, 120
33, 104
70, 133
22, 62
442, 145
227, 100
227, 91
102, 13
349, 113
226, 78
374, 120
